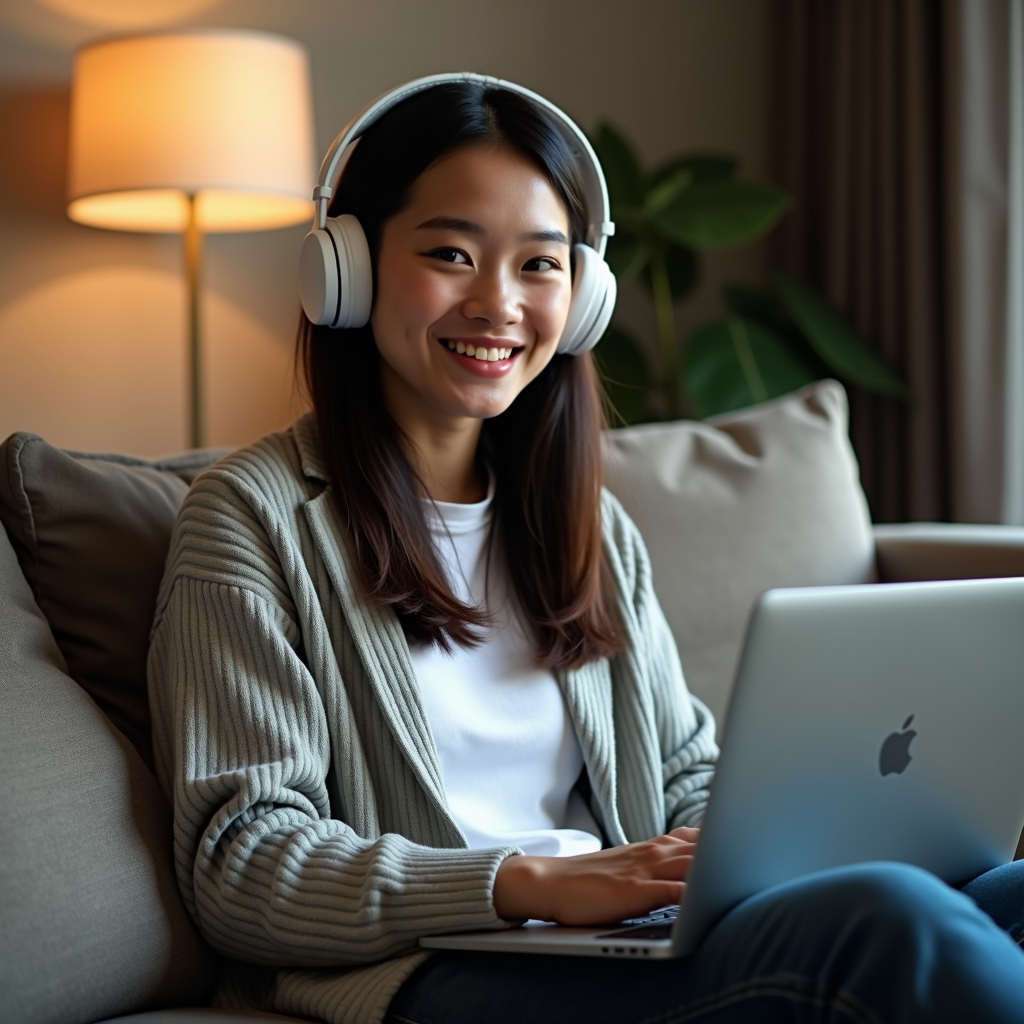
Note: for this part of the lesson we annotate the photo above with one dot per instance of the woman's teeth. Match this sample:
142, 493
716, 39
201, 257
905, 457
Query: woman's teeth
486, 355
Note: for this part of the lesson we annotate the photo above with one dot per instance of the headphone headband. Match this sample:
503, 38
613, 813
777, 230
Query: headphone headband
335, 276
594, 187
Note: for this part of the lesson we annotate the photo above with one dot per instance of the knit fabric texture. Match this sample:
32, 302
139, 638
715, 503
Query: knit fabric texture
312, 840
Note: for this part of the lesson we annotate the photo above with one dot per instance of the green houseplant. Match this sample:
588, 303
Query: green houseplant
771, 340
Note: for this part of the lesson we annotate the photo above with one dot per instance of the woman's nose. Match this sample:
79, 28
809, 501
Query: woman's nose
495, 296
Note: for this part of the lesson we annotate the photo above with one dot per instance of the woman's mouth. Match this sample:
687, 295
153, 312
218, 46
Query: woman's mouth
481, 352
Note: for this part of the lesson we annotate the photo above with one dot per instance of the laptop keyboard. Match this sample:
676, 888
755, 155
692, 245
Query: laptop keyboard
654, 926
642, 931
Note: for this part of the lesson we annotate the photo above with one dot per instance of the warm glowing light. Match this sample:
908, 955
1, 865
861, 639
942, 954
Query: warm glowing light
143, 210
166, 210
129, 14
223, 210
106, 386
224, 116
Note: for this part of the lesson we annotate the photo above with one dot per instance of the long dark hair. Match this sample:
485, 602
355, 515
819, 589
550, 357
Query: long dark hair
544, 450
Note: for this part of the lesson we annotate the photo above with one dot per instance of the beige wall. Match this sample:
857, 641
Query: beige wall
92, 324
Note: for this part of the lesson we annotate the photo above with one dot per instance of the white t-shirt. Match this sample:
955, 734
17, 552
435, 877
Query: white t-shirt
508, 752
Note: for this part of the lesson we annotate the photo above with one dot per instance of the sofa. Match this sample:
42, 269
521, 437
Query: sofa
92, 925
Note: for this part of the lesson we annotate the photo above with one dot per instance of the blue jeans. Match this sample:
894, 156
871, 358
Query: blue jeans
869, 944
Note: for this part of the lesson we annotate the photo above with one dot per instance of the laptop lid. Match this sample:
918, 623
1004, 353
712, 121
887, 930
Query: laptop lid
879, 722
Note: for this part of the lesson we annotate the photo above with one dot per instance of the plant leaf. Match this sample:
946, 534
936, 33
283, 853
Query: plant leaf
625, 375
661, 195
755, 304
721, 214
738, 362
836, 340
621, 167
767, 309
627, 255
683, 271
702, 167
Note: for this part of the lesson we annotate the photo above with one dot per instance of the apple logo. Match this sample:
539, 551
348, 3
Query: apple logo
895, 755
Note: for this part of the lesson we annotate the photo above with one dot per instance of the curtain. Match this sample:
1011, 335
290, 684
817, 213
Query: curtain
977, 61
857, 139
899, 128
1013, 459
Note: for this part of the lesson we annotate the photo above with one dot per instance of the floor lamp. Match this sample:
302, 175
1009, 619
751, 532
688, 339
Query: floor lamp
192, 132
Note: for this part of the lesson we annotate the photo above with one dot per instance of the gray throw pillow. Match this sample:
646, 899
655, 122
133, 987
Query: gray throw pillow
91, 533
92, 923
764, 497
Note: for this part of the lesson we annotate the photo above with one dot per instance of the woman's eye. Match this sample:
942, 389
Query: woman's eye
542, 263
449, 255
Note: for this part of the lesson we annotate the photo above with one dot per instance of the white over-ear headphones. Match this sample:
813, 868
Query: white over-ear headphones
335, 275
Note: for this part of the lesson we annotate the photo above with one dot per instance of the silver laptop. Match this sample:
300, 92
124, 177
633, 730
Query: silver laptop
867, 723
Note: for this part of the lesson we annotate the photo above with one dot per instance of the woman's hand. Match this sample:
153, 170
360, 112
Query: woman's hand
596, 888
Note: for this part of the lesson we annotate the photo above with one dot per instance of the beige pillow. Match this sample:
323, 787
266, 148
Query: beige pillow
765, 497
91, 922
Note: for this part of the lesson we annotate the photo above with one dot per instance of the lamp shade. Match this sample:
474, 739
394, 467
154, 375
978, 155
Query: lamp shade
224, 116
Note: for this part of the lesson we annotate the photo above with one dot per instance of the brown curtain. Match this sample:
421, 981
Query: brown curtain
979, 210
858, 109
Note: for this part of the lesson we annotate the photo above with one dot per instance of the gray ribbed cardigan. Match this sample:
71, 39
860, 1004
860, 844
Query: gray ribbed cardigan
312, 839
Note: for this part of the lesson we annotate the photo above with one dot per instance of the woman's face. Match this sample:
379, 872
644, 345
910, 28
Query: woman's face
473, 287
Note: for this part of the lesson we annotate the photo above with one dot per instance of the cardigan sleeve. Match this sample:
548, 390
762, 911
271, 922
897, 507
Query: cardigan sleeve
242, 743
684, 725
686, 733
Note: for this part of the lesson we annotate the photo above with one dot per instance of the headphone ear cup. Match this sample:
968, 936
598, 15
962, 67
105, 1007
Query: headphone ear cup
318, 278
335, 276
594, 290
355, 274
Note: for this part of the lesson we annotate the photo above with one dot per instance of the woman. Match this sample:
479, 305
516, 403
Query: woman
409, 674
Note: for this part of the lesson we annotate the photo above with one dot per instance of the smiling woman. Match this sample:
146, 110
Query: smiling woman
409, 676
470, 307
470, 208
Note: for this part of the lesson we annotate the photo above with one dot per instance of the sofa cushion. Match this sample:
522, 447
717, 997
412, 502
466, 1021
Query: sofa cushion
92, 921
91, 533
202, 1016
765, 497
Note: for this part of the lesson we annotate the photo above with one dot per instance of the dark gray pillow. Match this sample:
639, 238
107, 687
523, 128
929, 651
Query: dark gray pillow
91, 923
91, 533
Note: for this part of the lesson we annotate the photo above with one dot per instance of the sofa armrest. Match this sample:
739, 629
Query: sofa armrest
910, 552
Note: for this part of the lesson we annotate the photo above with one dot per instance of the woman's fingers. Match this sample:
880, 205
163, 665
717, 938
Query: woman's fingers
664, 857
602, 906
620, 882
691, 835
676, 868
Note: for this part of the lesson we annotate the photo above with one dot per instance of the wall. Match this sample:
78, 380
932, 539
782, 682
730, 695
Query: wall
92, 323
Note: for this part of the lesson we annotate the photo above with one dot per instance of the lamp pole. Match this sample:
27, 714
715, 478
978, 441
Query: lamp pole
193, 260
